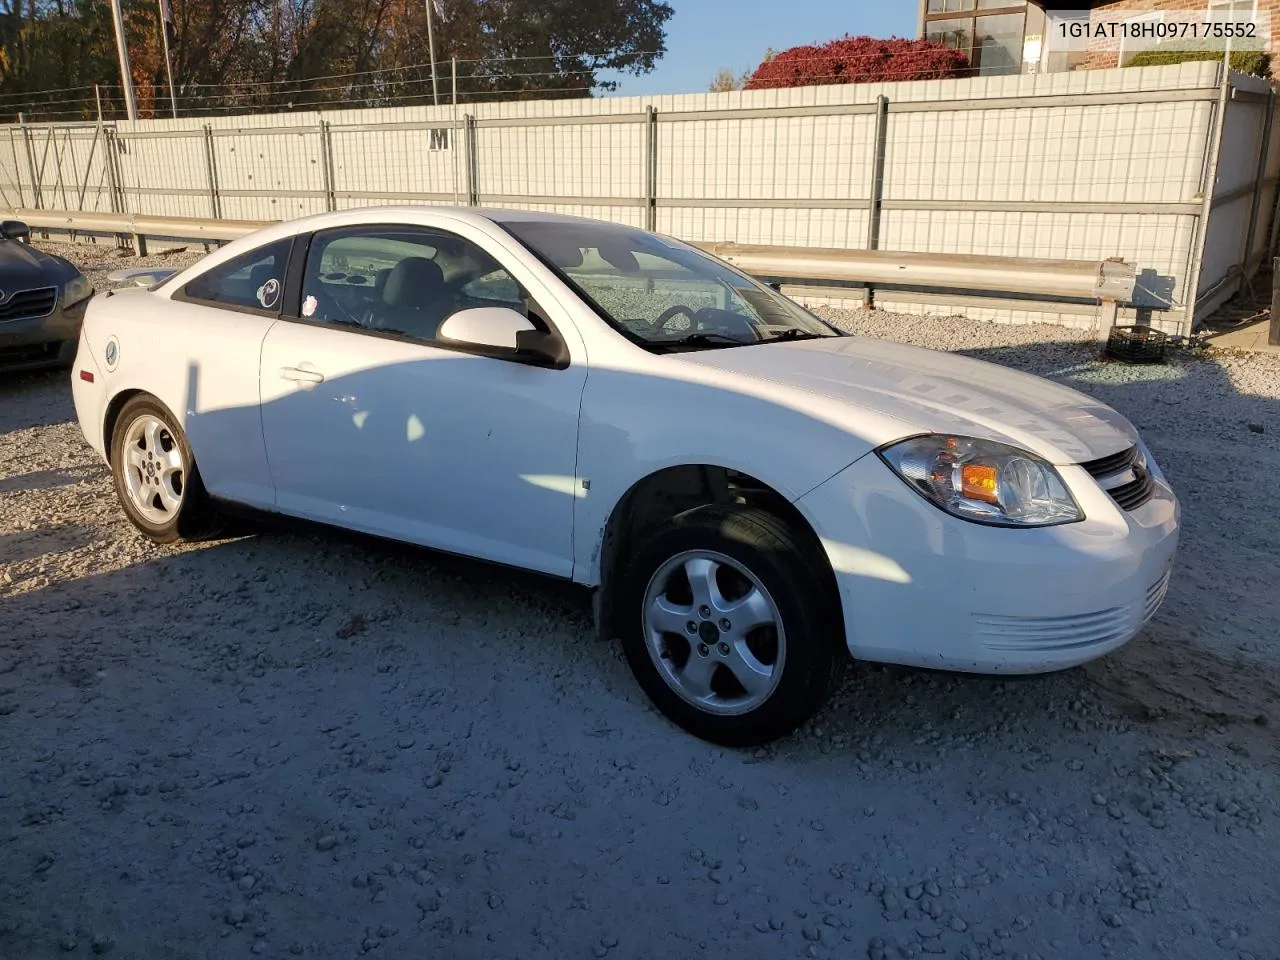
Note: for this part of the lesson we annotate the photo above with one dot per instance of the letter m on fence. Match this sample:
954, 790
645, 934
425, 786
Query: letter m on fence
440, 138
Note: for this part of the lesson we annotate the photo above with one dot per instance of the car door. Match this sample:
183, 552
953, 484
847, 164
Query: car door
371, 424
210, 338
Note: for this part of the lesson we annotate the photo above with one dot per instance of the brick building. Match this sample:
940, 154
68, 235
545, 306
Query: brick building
1024, 36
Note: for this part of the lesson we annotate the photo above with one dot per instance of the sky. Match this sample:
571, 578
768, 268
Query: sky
705, 35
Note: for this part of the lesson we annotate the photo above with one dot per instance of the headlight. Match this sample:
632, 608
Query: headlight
983, 481
76, 289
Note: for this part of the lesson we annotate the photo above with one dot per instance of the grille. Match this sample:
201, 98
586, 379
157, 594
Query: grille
1078, 632
1155, 596
29, 304
1113, 474
1054, 633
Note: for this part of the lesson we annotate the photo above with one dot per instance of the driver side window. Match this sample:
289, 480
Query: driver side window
400, 280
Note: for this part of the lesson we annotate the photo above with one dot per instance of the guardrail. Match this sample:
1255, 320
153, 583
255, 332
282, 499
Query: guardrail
1108, 283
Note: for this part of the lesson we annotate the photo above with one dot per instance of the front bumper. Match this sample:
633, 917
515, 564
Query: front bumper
41, 342
923, 588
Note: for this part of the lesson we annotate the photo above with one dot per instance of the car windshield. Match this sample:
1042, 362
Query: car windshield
663, 293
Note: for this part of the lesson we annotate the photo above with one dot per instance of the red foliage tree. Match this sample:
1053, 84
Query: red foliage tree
859, 60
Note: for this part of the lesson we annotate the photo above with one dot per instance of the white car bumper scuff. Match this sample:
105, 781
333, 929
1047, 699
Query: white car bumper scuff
923, 588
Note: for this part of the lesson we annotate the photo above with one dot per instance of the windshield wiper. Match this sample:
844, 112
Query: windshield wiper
795, 333
703, 340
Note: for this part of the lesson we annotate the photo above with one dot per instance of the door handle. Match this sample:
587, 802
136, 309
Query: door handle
300, 376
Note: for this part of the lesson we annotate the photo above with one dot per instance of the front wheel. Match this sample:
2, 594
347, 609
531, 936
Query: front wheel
155, 475
729, 623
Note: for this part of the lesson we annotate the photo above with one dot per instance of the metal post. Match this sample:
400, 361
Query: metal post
97, 96
431, 46
651, 169
453, 70
876, 192
1273, 331
113, 180
36, 193
1208, 183
211, 172
126, 77
326, 164
166, 21
473, 164
1258, 178
13, 149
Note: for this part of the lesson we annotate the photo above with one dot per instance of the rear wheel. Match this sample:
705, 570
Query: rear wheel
155, 475
729, 624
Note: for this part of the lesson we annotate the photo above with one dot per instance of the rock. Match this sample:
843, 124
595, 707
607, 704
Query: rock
812, 934
1257, 428
247, 882
236, 914
433, 781
1057, 900
68, 942
326, 843
1112, 919
101, 944
915, 891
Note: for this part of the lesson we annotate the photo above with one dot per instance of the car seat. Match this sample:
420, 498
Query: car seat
415, 299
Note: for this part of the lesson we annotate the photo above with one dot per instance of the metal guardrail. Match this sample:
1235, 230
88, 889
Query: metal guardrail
1106, 282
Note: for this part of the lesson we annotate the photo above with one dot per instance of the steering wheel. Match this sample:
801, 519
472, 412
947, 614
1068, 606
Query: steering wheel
708, 320
671, 313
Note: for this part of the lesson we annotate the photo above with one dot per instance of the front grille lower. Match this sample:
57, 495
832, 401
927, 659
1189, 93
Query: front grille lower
28, 304
1124, 476
1072, 633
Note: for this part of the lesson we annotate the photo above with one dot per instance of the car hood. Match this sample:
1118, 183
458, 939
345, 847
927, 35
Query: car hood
23, 266
929, 391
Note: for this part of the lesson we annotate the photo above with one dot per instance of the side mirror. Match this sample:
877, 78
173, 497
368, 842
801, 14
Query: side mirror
506, 330
15, 230
485, 327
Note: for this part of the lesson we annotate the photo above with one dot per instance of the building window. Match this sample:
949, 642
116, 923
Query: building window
1130, 46
989, 32
1232, 10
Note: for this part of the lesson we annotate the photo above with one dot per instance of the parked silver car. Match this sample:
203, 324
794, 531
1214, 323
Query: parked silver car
42, 301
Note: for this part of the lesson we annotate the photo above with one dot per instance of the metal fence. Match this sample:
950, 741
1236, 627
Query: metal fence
1171, 168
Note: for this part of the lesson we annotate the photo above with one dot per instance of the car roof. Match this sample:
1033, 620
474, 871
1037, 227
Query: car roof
413, 212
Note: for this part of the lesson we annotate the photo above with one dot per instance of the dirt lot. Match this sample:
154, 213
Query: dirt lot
299, 743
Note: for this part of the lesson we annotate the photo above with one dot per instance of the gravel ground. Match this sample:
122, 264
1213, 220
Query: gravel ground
299, 743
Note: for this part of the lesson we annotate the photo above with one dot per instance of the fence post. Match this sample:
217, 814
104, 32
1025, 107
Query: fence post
651, 169
326, 165
1208, 184
17, 174
876, 193
473, 163
1257, 180
37, 197
211, 173
1273, 330
109, 158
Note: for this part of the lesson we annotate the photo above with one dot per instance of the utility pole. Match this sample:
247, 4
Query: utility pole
431, 45
126, 78
166, 27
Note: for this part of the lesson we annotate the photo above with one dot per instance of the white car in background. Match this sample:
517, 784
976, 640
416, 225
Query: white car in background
755, 493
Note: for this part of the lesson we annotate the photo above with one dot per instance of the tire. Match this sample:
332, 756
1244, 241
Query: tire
156, 478
751, 564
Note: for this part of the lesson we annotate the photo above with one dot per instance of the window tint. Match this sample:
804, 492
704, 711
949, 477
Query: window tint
253, 280
403, 280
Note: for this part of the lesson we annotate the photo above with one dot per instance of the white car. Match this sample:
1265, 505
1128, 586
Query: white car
754, 493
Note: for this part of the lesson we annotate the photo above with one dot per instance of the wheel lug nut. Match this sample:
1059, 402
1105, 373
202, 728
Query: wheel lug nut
703, 649
725, 624
691, 627
724, 648
704, 612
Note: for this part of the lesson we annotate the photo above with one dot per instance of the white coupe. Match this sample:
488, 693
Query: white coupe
754, 493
